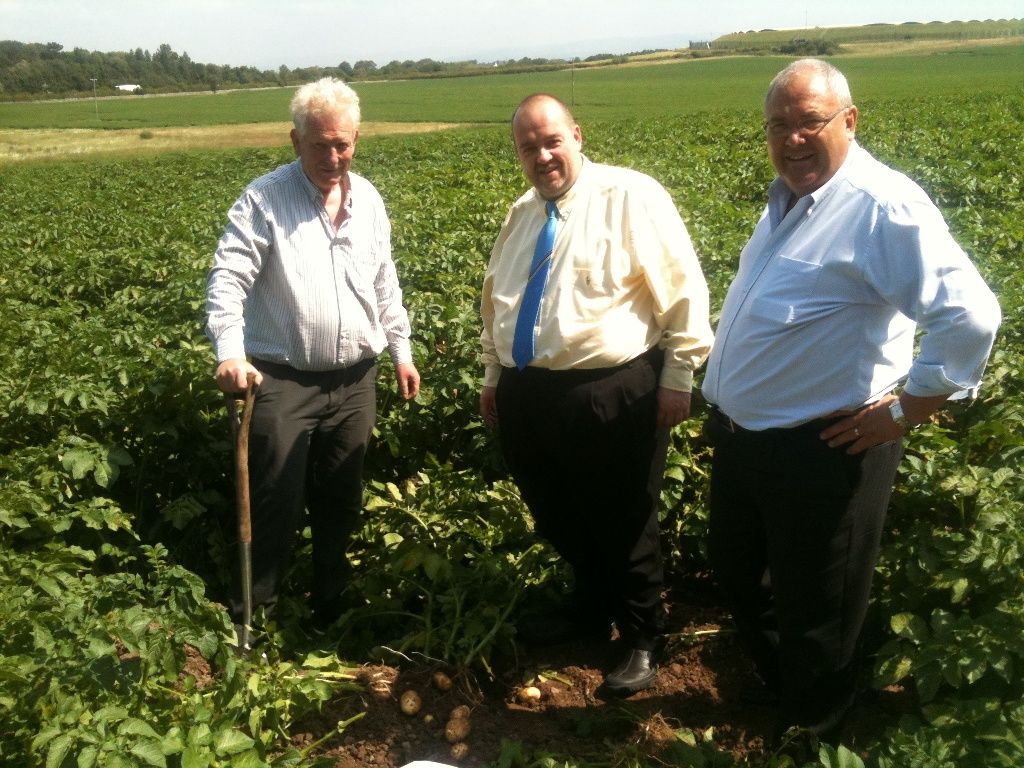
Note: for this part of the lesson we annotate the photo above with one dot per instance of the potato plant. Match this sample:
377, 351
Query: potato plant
116, 532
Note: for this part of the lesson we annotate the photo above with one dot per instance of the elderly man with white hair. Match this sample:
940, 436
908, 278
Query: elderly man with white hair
302, 298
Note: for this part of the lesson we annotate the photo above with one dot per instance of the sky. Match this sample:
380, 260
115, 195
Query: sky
298, 33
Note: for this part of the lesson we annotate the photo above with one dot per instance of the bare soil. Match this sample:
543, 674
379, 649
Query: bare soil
697, 687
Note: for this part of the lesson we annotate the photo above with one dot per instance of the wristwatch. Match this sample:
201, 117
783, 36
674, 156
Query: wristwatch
896, 411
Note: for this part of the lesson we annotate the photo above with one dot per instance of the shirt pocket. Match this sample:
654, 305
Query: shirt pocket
787, 293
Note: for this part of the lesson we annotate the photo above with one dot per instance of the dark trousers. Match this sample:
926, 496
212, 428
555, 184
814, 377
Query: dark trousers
307, 442
795, 532
583, 447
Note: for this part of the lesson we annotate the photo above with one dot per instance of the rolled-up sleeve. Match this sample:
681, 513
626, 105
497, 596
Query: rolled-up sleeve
932, 281
673, 274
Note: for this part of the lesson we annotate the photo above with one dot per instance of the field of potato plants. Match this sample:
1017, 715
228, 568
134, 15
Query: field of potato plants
116, 504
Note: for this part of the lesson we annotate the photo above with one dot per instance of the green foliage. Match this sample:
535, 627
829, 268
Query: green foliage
442, 565
116, 500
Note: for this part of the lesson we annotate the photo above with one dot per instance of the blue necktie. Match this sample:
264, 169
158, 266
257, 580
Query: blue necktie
523, 340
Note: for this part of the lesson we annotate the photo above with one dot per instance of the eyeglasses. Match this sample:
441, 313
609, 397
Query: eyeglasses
811, 126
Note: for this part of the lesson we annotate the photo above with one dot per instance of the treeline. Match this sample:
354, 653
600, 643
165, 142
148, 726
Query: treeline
38, 70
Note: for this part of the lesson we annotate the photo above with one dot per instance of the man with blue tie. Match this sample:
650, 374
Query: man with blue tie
595, 317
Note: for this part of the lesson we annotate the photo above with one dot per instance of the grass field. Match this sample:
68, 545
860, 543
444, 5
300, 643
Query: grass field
679, 88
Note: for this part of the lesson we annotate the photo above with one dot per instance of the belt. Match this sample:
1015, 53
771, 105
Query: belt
654, 356
723, 419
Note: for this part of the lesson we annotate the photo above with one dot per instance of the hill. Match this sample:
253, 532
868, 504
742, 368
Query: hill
778, 39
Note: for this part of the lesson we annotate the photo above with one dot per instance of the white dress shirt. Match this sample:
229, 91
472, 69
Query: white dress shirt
624, 277
288, 288
822, 313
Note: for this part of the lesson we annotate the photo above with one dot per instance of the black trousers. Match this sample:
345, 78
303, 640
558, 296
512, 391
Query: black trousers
795, 533
583, 447
307, 443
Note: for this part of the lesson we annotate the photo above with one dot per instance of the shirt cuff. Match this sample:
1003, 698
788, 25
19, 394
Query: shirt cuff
401, 353
680, 379
491, 375
231, 345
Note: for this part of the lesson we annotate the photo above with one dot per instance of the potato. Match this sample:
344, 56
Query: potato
461, 712
460, 750
410, 702
529, 694
442, 682
457, 729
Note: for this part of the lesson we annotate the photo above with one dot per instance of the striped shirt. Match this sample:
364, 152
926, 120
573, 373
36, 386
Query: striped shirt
288, 288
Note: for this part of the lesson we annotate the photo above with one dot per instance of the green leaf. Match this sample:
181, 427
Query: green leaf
78, 462
959, 590
193, 758
87, 757
910, 626
44, 737
841, 757
135, 727
149, 753
230, 742
248, 760
59, 749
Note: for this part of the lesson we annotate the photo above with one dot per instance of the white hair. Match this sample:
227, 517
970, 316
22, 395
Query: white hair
326, 96
835, 79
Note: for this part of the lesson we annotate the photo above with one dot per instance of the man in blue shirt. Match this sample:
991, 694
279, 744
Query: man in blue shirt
813, 382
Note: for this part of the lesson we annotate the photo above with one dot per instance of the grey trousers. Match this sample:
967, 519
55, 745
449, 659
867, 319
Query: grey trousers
307, 444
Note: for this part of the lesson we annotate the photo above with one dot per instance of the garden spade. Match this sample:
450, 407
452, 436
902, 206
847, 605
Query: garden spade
240, 432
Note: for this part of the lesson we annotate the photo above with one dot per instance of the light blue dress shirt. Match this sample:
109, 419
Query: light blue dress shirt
289, 288
823, 311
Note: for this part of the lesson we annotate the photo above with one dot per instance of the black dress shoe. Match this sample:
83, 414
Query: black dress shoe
635, 673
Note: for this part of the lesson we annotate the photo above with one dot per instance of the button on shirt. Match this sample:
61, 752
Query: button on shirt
311, 296
624, 277
822, 313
